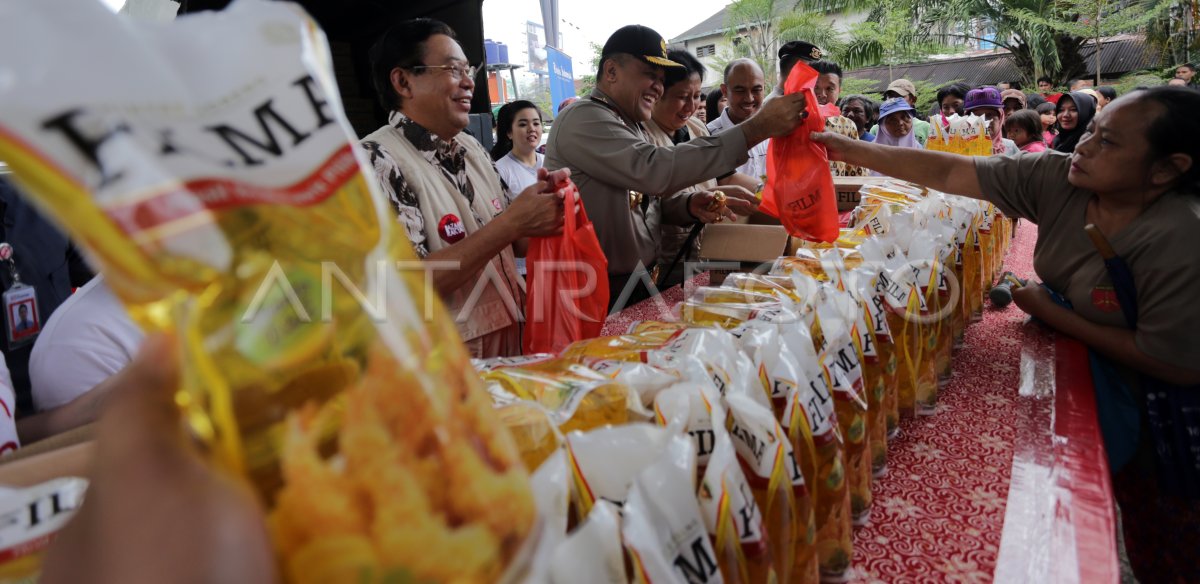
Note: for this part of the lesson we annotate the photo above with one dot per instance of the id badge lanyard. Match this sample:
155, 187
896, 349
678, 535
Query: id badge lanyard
21, 316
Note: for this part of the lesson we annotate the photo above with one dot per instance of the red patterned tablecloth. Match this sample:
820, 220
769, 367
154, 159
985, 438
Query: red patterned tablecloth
939, 512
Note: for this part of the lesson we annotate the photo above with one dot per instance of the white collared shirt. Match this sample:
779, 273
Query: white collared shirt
756, 165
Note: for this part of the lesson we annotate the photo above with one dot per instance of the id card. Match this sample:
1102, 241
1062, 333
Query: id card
21, 315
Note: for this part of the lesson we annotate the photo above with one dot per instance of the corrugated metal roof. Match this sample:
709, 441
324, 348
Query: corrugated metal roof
719, 22
711, 25
1118, 55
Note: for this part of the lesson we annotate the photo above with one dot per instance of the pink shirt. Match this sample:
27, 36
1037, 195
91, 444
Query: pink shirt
1037, 146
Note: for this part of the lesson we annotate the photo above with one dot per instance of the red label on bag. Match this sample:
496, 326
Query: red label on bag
451, 229
1105, 299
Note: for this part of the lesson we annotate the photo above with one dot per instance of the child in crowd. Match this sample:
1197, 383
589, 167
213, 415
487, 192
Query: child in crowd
1024, 127
1046, 112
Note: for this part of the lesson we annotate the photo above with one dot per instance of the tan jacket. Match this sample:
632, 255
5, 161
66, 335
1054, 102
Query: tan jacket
492, 305
610, 157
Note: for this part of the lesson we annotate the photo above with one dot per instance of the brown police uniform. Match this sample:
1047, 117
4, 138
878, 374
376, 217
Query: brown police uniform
628, 185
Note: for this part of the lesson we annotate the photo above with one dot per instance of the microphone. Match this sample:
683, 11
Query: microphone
1001, 294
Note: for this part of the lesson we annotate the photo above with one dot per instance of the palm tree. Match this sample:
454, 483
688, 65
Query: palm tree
1040, 34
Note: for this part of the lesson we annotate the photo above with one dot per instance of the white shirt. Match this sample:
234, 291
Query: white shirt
88, 339
756, 165
8, 405
516, 175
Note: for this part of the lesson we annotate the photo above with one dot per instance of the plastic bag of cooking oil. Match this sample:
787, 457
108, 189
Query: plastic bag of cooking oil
939, 135
662, 525
593, 553
873, 219
927, 274
879, 365
866, 286
731, 515
779, 286
968, 136
196, 178
894, 283
669, 344
818, 263
485, 365
810, 420
838, 331
687, 408
777, 373
578, 397
725, 307
944, 302
32, 517
533, 427
605, 461
966, 214
647, 380
777, 484
873, 374
551, 485
959, 221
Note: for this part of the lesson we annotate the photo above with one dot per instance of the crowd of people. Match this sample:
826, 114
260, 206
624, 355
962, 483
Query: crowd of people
655, 159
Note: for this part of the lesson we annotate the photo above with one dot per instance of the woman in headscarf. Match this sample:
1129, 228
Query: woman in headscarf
896, 124
1074, 111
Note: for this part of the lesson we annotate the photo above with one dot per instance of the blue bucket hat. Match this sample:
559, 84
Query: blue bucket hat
896, 104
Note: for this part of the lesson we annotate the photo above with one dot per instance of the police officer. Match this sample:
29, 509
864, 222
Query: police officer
628, 185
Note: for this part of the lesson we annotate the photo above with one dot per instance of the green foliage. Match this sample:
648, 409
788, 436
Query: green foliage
889, 36
1093, 19
1044, 36
753, 31
861, 86
1172, 35
927, 95
757, 28
538, 92
1139, 79
588, 82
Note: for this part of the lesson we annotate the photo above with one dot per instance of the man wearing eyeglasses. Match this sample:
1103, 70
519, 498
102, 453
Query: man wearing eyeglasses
630, 186
458, 213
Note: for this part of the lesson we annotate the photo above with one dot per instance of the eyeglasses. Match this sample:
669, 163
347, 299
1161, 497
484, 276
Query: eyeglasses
458, 72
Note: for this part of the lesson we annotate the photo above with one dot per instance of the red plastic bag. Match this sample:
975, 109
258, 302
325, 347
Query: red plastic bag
799, 189
566, 296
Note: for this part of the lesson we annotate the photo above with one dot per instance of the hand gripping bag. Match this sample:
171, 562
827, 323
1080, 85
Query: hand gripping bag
567, 283
314, 367
799, 189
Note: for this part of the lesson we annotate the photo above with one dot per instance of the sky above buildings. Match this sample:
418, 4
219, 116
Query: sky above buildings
590, 21
583, 22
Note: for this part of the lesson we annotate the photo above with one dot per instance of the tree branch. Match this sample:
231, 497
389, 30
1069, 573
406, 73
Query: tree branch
972, 37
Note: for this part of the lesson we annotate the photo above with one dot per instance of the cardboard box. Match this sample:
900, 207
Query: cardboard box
847, 189
68, 454
741, 248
